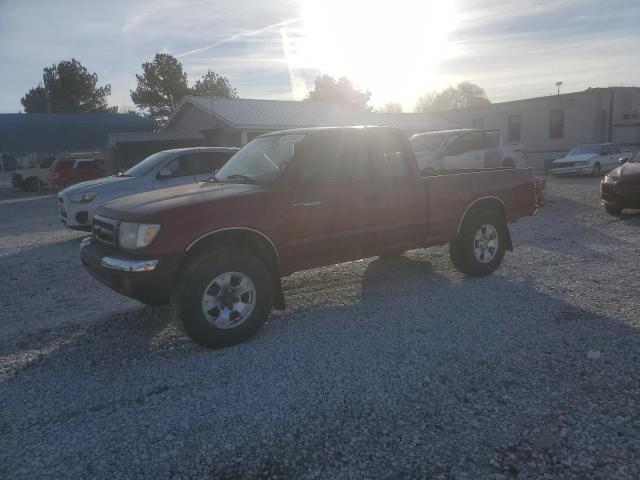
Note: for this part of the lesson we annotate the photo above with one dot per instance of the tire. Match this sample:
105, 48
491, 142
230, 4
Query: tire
597, 170
482, 226
30, 184
215, 278
611, 210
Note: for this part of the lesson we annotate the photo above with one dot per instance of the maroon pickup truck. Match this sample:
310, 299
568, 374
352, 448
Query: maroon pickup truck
290, 201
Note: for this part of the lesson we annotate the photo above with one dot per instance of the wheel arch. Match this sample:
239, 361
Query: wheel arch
489, 203
246, 239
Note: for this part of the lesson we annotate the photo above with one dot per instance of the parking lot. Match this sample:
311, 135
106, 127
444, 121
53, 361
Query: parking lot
394, 368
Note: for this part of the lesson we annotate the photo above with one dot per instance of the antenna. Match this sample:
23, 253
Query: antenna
558, 84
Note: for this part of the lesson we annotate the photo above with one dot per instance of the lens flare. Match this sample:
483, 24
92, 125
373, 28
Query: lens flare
390, 48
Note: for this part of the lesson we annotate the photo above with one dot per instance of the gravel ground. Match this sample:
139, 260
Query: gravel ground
379, 368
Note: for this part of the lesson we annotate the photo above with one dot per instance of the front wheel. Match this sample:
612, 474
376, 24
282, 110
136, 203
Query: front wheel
611, 210
223, 297
481, 244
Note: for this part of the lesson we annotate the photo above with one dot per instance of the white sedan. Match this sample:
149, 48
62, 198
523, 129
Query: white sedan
592, 158
77, 203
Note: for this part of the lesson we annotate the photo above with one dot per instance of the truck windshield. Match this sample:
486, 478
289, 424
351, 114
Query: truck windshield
428, 142
147, 165
260, 161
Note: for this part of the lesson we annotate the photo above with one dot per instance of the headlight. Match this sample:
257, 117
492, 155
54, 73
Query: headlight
136, 235
612, 179
83, 197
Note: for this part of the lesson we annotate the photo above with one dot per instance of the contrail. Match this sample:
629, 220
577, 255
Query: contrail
237, 36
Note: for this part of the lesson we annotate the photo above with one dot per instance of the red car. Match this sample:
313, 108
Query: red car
67, 171
290, 201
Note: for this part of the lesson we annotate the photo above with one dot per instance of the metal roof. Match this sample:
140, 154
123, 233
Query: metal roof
252, 114
55, 132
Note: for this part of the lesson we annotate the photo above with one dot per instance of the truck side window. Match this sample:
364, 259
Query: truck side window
339, 157
389, 155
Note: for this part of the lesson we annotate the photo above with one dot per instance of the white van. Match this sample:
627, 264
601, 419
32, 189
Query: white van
465, 148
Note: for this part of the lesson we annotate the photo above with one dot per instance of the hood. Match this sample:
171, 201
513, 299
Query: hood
575, 158
155, 204
629, 172
92, 185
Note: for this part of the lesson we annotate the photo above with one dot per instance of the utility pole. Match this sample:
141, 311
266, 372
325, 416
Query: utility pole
558, 84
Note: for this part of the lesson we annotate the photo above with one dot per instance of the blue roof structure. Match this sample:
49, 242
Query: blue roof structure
55, 132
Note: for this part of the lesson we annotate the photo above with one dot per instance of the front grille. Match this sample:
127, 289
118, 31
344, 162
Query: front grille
627, 189
105, 230
564, 164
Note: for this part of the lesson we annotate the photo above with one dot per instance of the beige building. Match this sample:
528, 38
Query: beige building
550, 126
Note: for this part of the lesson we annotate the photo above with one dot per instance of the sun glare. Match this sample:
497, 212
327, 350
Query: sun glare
388, 47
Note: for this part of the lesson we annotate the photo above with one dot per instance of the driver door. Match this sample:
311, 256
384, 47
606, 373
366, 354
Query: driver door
331, 208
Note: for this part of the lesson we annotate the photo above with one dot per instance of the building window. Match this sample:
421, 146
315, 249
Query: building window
515, 129
477, 123
556, 124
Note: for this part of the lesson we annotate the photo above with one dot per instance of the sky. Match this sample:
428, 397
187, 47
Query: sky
274, 49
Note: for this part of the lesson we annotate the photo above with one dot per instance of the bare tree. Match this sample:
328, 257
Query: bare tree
339, 92
463, 95
390, 107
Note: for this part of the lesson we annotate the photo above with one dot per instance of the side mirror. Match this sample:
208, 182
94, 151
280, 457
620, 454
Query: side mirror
165, 173
622, 160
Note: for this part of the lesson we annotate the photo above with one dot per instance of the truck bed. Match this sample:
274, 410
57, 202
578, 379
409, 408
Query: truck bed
451, 192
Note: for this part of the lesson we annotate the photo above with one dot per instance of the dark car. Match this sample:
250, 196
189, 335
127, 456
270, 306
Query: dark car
621, 187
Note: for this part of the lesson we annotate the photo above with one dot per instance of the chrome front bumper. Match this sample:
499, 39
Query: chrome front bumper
123, 264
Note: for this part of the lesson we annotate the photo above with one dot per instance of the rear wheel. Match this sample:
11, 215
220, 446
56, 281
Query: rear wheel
611, 210
480, 246
223, 297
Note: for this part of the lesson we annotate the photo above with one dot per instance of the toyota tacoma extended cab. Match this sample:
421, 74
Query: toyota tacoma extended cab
290, 201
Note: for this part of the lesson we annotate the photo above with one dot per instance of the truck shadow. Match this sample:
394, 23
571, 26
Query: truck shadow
401, 341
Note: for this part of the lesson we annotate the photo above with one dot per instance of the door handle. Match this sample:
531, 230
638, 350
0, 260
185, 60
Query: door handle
307, 204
